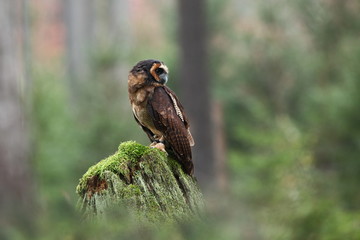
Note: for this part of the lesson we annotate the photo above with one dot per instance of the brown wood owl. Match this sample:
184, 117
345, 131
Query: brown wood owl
159, 112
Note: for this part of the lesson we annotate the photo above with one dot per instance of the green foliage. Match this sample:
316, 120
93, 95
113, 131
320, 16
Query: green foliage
288, 83
57, 148
287, 75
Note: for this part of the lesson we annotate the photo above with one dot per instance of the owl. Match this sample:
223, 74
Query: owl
159, 112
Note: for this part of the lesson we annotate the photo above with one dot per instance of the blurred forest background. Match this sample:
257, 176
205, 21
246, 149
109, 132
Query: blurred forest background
271, 87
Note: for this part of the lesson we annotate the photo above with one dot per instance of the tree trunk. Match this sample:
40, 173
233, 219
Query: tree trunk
142, 181
195, 85
79, 22
15, 184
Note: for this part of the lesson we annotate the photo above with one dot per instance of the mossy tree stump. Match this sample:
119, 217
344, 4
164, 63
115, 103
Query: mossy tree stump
144, 181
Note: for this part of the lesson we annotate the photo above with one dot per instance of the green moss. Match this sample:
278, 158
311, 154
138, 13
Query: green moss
128, 153
132, 151
130, 191
152, 185
173, 164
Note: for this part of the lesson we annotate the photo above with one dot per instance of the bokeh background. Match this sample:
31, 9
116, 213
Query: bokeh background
271, 89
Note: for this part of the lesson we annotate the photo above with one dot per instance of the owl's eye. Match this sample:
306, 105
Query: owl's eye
159, 71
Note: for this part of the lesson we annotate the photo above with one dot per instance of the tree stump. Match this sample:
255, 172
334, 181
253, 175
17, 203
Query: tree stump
144, 181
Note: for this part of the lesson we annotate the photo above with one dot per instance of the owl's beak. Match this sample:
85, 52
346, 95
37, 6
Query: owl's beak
164, 78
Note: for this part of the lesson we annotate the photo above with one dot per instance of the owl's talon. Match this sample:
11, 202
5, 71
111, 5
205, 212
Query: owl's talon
153, 144
159, 146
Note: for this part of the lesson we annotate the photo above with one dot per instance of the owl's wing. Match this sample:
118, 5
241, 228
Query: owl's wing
181, 113
167, 121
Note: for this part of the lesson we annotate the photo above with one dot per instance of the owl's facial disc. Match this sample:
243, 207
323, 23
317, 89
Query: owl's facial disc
160, 72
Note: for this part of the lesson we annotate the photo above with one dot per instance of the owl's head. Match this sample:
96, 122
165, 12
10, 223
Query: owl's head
156, 71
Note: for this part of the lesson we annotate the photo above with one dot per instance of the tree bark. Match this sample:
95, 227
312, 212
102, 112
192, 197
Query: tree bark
195, 85
141, 181
15, 184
